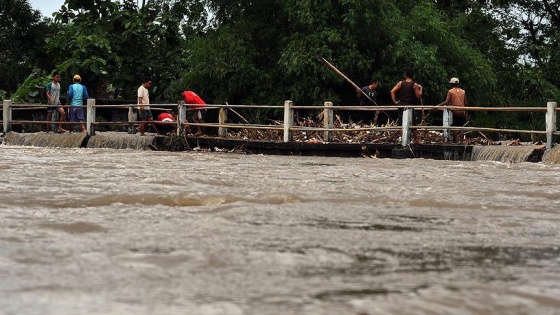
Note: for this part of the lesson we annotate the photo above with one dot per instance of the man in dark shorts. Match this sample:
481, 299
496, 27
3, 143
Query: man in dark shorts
409, 92
457, 97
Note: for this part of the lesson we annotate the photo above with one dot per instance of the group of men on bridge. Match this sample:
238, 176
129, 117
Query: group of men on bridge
77, 93
405, 92
408, 92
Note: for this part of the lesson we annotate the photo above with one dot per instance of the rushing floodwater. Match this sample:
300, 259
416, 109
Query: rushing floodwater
94, 231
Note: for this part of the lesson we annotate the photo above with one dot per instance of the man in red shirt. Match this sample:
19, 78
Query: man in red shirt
199, 107
166, 118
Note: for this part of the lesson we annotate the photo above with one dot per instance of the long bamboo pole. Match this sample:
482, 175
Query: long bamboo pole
333, 68
238, 114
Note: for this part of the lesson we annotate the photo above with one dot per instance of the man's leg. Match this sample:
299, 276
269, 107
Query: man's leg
416, 136
62, 118
81, 118
458, 137
198, 128
48, 120
201, 116
202, 129
196, 121
151, 119
142, 116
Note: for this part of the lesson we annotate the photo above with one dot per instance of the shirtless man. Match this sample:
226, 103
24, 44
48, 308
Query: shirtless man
457, 97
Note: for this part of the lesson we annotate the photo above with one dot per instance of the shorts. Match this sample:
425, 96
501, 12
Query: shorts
459, 121
76, 114
145, 115
416, 117
199, 114
53, 109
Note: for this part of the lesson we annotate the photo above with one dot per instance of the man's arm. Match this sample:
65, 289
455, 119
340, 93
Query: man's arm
447, 99
360, 92
86, 95
140, 100
418, 90
48, 92
394, 93
70, 94
467, 115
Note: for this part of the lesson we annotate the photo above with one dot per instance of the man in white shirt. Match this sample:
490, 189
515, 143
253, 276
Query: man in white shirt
144, 113
53, 98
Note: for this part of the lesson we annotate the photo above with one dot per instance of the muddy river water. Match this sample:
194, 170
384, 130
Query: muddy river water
97, 231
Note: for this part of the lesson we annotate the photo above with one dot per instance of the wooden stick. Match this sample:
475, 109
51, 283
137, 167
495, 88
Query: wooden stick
355, 86
237, 114
333, 68
485, 137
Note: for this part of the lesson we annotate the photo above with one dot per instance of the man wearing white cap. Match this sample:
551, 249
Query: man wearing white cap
457, 97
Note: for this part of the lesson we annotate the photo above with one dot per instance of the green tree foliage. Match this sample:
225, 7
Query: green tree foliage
534, 28
525, 59
506, 52
32, 90
119, 43
266, 51
22, 42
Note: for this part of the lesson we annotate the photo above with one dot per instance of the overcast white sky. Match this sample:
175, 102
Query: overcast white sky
47, 7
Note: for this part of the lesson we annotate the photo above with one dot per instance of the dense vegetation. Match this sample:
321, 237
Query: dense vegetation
506, 52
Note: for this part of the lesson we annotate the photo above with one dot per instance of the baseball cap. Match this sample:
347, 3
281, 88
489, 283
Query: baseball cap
454, 80
77, 77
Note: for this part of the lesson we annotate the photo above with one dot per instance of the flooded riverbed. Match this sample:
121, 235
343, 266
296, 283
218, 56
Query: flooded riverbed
95, 231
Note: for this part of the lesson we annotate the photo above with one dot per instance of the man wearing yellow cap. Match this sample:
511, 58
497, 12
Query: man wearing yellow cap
76, 95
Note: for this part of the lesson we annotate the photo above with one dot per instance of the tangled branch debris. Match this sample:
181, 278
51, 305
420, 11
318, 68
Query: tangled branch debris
353, 133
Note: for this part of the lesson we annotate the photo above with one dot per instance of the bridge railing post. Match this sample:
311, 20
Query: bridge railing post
406, 122
447, 122
288, 121
132, 117
550, 124
328, 121
222, 119
182, 118
7, 116
90, 117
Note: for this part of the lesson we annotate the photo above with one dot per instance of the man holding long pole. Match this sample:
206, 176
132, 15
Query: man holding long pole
363, 94
371, 91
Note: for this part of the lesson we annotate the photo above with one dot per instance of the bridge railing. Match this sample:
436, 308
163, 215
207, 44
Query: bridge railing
288, 126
